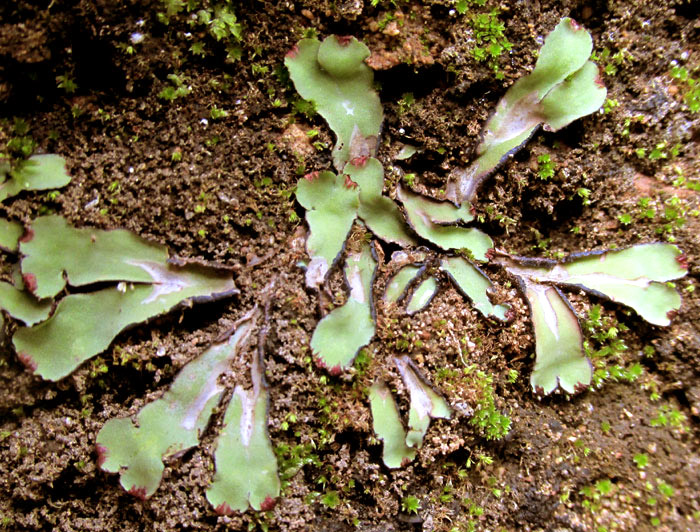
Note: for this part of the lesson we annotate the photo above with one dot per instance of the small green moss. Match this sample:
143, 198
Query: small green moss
625, 219
641, 459
409, 179
331, 499
692, 87
490, 39
67, 83
546, 167
487, 419
604, 486
410, 504
668, 416
609, 105
406, 102
606, 349
658, 152
217, 113
362, 361
176, 89
584, 194
665, 489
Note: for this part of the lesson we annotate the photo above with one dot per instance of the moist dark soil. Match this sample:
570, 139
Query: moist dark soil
218, 189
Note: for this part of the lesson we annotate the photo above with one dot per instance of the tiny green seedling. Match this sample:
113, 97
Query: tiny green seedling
217, 19
489, 421
217, 114
641, 460
692, 93
67, 83
489, 36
